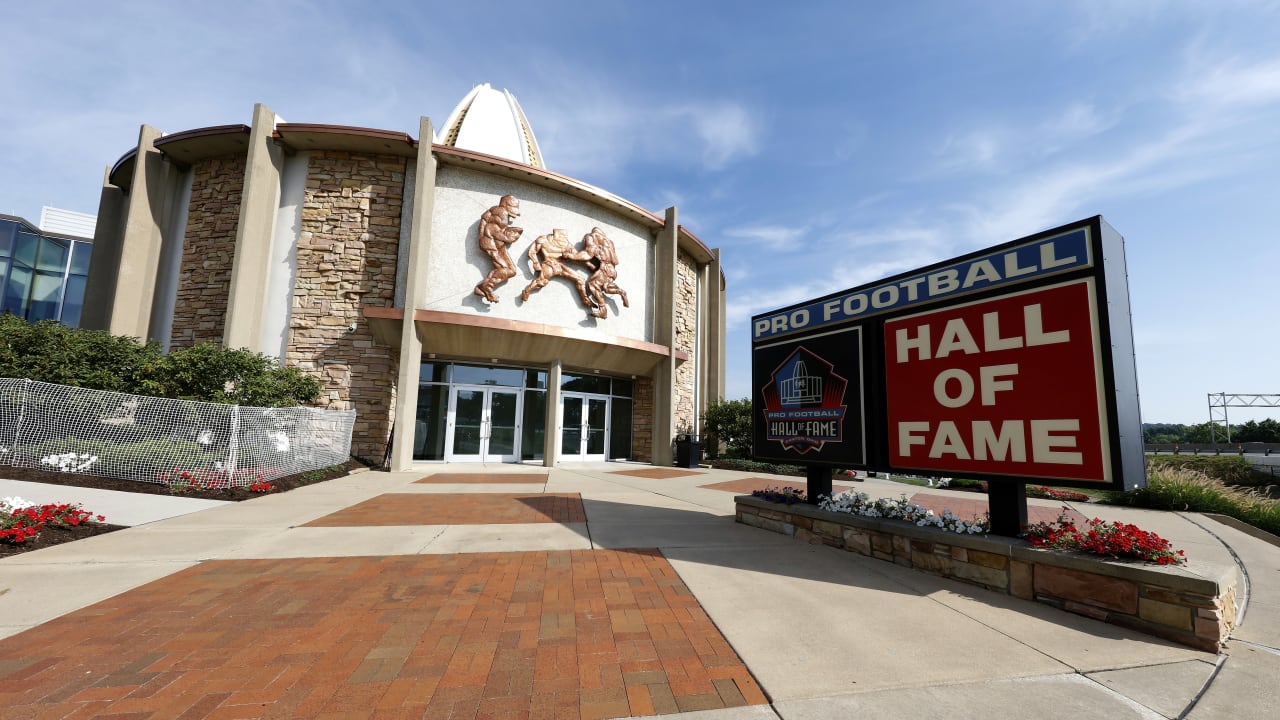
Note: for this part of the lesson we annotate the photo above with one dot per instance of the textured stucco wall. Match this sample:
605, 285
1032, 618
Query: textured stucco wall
456, 263
208, 248
686, 339
346, 259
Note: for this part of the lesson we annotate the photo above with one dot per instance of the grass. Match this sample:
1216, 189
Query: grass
1185, 489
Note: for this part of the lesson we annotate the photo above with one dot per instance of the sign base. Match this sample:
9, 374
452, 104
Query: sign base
819, 482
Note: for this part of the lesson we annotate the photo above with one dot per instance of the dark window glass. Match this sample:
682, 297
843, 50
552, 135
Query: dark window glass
73, 301
16, 291
620, 429
81, 252
53, 256
7, 229
622, 388
46, 296
481, 375
433, 372
585, 383
25, 248
535, 425
535, 379
428, 432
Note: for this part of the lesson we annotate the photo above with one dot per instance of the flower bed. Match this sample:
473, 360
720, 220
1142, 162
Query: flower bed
21, 520
1171, 602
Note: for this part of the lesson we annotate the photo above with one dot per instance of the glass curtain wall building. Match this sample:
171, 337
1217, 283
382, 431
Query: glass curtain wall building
42, 274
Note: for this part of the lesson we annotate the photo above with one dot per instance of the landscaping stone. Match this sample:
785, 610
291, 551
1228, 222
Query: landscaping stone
1194, 609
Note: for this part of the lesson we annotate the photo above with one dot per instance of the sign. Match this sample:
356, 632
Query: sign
1010, 363
1007, 386
812, 398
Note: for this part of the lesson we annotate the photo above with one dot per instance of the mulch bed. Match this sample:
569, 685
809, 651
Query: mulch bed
56, 536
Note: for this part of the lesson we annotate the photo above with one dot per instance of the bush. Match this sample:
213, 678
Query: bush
746, 465
1187, 490
211, 373
729, 422
1226, 469
50, 352
54, 353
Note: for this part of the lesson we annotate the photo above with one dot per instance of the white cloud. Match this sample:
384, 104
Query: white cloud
773, 237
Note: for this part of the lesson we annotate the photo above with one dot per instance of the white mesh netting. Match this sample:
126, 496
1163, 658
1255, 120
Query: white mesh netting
159, 440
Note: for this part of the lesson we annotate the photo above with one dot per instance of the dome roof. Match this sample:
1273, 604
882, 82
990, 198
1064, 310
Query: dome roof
491, 122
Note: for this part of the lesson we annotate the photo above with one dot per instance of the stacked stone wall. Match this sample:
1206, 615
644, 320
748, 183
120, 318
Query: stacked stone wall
1193, 609
642, 420
347, 251
686, 340
208, 251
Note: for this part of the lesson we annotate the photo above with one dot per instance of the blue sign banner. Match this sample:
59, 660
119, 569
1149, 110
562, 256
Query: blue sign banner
1013, 266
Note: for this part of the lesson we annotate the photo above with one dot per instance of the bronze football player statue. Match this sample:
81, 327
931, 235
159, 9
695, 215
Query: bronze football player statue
547, 255
494, 235
597, 248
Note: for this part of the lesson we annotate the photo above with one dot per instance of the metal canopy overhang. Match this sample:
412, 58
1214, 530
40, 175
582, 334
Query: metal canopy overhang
462, 336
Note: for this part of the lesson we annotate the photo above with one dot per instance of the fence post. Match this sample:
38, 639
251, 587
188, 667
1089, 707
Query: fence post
234, 445
22, 414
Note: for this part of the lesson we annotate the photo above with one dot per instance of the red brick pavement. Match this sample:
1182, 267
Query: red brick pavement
483, 478
657, 473
749, 485
966, 508
567, 634
458, 509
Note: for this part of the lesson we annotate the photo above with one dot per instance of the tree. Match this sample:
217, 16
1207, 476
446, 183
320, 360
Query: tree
729, 422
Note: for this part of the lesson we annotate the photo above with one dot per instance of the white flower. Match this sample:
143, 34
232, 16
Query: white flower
11, 504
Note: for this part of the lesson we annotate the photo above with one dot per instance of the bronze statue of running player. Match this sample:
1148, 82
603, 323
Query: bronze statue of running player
598, 248
494, 235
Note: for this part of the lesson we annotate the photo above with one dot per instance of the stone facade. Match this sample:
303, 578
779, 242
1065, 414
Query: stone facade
347, 249
686, 340
642, 420
1194, 610
208, 251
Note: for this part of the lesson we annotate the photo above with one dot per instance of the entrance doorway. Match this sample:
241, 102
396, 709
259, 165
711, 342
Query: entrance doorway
484, 424
584, 423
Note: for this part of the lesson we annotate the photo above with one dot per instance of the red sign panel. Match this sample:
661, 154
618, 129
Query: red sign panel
1006, 386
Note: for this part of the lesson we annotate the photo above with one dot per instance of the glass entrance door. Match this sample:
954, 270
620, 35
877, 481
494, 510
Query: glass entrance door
484, 425
584, 426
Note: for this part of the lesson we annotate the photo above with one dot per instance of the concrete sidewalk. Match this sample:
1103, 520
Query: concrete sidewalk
823, 633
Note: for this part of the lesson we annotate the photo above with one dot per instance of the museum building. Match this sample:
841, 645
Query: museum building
468, 303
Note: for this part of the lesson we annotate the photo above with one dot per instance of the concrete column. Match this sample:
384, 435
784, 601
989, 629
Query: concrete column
135, 283
713, 342
423, 201
251, 268
551, 437
664, 333
104, 264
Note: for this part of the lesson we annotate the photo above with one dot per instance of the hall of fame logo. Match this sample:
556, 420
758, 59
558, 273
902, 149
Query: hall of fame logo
804, 403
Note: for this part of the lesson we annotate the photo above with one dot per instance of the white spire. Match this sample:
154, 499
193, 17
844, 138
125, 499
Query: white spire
491, 122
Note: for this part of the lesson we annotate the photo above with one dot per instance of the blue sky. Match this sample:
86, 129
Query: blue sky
820, 146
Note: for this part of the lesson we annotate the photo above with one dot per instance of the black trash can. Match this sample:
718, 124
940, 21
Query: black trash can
688, 451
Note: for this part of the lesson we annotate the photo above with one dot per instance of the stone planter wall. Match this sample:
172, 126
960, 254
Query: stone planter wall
1193, 609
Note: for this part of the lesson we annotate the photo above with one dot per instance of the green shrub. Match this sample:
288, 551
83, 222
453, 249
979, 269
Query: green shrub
745, 465
729, 422
1227, 469
54, 353
50, 352
1185, 490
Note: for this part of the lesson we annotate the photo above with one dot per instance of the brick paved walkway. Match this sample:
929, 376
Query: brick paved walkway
746, 486
590, 634
483, 478
966, 508
458, 509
